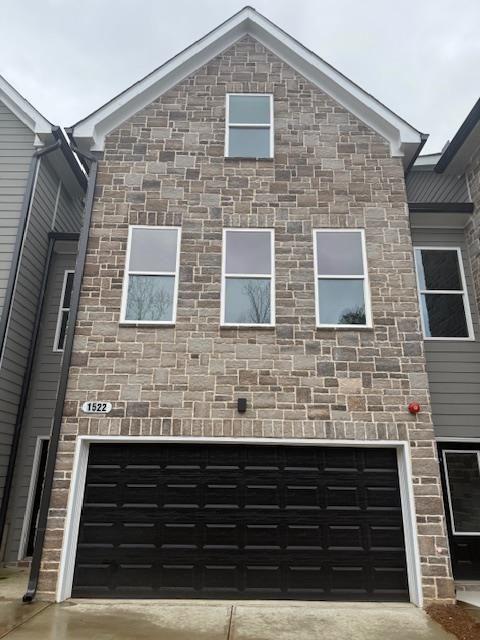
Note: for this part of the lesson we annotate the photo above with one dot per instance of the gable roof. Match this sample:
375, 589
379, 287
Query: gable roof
405, 141
26, 113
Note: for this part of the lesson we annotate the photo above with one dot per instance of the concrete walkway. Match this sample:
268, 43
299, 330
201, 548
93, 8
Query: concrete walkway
184, 620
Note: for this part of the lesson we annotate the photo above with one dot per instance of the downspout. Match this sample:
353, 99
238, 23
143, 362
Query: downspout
62, 387
17, 252
24, 391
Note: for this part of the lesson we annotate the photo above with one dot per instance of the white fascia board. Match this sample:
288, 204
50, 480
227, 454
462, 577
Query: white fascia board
26, 113
427, 160
402, 137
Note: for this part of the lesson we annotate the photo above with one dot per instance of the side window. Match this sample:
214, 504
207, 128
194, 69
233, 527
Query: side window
443, 294
63, 312
341, 281
462, 470
150, 283
249, 125
248, 286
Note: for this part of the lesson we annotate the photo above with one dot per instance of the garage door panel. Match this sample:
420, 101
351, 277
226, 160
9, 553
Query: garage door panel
241, 521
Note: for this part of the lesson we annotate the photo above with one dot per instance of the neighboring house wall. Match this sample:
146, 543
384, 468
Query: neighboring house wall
454, 366
165, 166
44, 217
42, 394
16, 150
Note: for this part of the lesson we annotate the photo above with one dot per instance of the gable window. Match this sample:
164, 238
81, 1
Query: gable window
341, 283
64, 311
151, 275
248, 287
444, 307
249, 125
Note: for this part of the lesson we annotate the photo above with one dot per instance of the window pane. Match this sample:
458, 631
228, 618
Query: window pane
247, 300
248, 252
68, 291
341, 302
153, 250
464, 483
339, 254
249, 143
249, 109
439, 270
150, 298
63, 330
444, 315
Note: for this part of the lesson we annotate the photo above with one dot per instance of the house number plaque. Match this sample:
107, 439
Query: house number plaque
96, 407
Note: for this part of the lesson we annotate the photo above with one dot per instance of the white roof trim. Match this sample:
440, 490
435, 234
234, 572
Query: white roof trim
25, 112
403, 138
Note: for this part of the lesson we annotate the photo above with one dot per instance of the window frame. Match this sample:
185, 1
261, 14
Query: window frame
61, 311
464, 291
226, 275
447, 484
366, 283
248, 126
127, 273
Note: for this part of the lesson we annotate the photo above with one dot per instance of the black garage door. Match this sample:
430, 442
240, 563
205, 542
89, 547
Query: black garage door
241, 521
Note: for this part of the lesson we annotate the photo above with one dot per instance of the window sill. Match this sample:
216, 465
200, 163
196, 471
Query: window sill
343, 327
139, 325
428, 339
247, 326
249, 158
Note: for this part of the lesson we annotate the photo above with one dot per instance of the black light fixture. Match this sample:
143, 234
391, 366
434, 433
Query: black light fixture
242, 405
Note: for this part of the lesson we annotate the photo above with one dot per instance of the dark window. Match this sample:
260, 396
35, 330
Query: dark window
443, 296
463, 477
64, 311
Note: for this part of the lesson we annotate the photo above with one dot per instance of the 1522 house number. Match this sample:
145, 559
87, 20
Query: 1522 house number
96, 407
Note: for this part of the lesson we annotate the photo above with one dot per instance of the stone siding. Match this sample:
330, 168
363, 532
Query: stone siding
166, 166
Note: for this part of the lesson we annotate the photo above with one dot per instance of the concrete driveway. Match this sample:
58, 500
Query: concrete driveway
184, 620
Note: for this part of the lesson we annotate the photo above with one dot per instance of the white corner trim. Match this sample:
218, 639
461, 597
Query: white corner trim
79, 470
402, 137
25, 112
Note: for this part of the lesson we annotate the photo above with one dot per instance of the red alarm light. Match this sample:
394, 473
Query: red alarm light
414, 408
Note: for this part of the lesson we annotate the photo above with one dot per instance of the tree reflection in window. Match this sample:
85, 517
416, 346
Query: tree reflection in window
150, 298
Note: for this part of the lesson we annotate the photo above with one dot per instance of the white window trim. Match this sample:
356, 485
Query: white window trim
32, 488
271, 276
447, 483
77, 487
61, 310
127, 272
364, 277
466, 302
240, 125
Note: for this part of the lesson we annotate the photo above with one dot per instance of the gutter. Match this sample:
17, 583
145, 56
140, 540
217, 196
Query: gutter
17, 251
62, 387
459, 138
440, 207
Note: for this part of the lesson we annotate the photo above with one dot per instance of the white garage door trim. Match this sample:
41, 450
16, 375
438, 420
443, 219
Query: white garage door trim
77, 486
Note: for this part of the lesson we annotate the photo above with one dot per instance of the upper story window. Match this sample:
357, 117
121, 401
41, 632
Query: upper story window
249, 125
64, 311
341, 283
248, 287
150, 283
444, 306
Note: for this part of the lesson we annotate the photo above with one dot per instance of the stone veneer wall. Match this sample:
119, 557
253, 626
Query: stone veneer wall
472, 230
166, 166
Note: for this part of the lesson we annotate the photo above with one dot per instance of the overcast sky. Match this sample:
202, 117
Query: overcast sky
420, 57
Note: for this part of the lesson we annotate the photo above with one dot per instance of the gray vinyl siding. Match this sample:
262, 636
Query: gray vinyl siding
16, 150
44, 217
41, 400
428, 186
454, 367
